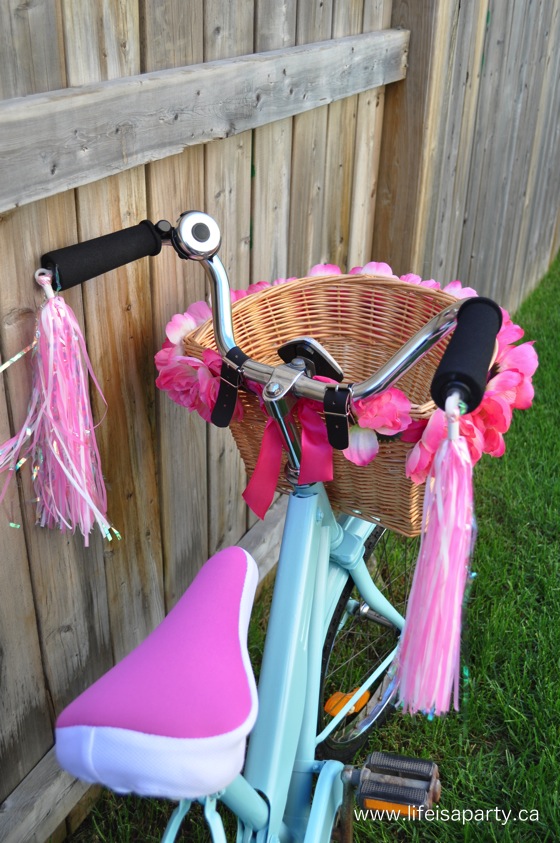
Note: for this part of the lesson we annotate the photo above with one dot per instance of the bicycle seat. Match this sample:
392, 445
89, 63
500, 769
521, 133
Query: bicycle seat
171, 719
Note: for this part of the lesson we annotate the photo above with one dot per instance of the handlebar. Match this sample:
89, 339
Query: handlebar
76, 264
196, 236
464, 365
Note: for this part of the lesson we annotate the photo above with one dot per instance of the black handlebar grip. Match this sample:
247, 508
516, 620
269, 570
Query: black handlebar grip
464, 365
91, 258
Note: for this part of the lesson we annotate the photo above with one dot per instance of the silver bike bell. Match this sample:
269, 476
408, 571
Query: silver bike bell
196, 236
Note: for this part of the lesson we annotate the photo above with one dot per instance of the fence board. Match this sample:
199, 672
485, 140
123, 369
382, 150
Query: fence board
120, 343
438, 86
275, 27
40, 804
119, 324
67, 580
525, 65
450, 129
506, 36
135, 65
459, 135
30, 30
172, 33
272, 157
78, 136
369, 122
314, 23
26, 729
264, 538
536, 244
403, 122
228, 31
340, 150
511, 168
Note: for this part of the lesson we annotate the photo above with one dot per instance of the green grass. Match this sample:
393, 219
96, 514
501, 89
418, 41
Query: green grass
502, 750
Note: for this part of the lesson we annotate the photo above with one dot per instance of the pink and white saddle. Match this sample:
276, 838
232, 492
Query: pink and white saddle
172, 718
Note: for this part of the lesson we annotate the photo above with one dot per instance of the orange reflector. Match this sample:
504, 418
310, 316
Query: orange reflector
395, 808
338, 700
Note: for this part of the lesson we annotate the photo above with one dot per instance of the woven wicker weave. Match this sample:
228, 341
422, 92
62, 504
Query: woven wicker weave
362, 320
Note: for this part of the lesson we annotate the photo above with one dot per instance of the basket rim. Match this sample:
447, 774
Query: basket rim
387, 281
374, 281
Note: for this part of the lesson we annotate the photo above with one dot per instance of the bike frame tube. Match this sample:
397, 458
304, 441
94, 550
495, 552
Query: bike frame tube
327, 799
301, 784
176, 820
283, 681
361, 530
281, 761
272, 799
245, 803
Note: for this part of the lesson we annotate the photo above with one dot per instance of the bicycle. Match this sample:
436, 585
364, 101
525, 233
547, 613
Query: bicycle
128, 732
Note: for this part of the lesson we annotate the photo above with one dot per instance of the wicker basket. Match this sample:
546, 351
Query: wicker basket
362, 320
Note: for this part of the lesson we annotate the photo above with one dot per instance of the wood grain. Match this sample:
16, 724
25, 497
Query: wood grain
40, 804
25, 733
400, 163
272, 157
228, 32
444, 191
369, 127
119, 335
340, 151
80, 135
48, 656
307, 197
468, 185
172, 33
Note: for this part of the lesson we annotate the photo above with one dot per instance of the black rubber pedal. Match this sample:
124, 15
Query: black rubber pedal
397, 783
390, 764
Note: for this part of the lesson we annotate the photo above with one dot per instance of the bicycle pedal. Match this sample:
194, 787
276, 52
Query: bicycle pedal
391, 764
389, 782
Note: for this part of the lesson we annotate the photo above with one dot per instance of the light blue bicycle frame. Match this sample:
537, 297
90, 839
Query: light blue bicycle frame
272, 798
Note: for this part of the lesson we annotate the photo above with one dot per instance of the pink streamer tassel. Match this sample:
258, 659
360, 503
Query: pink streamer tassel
429, 653
59, 432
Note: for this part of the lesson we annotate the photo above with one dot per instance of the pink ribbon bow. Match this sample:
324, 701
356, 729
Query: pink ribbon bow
316, 457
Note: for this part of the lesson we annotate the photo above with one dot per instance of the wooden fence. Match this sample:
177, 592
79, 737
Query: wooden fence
469, 177
272, 117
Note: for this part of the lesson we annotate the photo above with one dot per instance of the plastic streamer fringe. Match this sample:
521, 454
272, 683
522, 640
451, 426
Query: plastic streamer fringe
58, 434
428, 669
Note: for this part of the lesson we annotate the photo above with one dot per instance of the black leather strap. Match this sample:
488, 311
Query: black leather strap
336, 405
230, 378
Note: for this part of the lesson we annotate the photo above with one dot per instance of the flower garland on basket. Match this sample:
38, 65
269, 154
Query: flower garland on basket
446, 447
